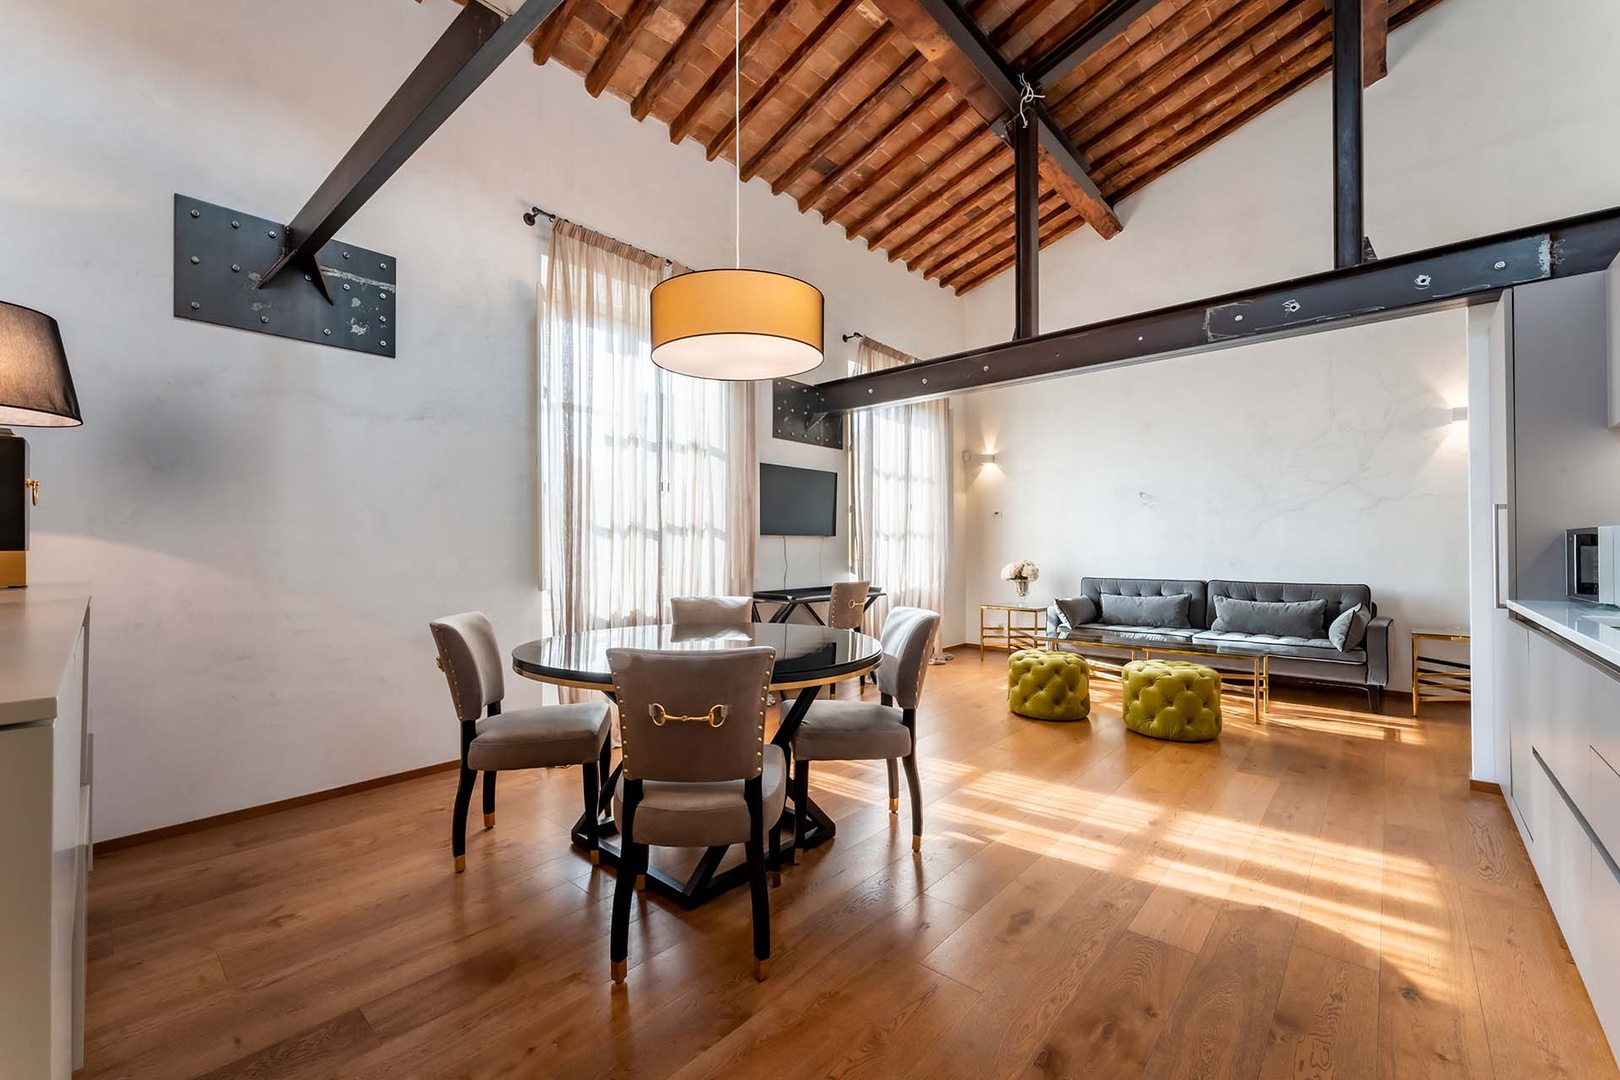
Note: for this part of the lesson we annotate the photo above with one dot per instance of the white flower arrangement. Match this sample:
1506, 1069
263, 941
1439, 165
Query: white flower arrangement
1023, 570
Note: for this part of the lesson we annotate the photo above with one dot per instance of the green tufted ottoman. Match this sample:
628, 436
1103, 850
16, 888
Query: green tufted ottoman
1047, 685
1172, 699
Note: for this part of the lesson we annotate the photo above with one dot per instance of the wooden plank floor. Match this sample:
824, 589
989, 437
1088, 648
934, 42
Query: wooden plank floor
1321, 896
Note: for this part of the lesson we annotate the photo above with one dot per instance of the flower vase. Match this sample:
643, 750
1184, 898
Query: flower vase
1022, 585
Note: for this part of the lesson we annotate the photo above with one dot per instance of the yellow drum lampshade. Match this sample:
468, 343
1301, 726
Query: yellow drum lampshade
736, 325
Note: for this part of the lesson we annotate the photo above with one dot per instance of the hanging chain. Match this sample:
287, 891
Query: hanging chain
736, 125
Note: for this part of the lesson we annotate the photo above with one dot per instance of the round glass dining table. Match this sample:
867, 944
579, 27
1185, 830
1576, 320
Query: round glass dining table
807, 658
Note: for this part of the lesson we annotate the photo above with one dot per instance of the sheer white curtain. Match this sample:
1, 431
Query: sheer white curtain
647, 485
900, 475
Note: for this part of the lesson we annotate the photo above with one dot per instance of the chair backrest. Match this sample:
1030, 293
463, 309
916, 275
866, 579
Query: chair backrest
908, 636
695, 717
847, 608
712, 610
470, 657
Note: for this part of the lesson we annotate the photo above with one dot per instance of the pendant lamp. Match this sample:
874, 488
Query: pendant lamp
737, 324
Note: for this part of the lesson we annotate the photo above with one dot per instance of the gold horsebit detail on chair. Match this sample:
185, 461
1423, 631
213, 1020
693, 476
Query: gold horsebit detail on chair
715, 717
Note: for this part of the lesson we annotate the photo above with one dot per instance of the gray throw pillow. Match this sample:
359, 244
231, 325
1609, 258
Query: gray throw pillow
1079, 611
1290, 618
1164, 612
1349, 630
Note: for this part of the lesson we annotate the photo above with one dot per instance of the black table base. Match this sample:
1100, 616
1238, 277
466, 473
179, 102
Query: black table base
707, 880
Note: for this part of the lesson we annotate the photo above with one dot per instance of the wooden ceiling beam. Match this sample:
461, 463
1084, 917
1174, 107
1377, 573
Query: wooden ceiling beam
840, 129
998, 188
939, 197
1300, 19
909, 250
1057, 59
768, 20
1374, 40
962, 273
934, 94
551, 31
992, 229
817, 102
882, 237
1123, 67
651, 94
1279, 66
618, 46
954, 44
903, 157
1057, 228
785, 71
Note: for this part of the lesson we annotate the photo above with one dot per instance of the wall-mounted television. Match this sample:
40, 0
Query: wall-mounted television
797, 502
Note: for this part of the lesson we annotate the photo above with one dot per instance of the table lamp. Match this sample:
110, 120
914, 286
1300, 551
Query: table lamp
36, 390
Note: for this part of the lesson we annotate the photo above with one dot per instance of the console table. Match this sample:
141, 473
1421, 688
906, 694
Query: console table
1436, 678
1011, 632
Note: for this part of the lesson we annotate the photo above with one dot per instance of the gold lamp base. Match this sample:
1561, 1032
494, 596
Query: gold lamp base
13, 569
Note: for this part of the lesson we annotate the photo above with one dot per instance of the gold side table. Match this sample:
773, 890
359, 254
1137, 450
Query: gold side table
1011, 633
1436, 678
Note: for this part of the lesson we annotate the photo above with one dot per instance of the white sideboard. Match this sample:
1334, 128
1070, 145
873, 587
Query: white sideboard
46, 752
1558, 686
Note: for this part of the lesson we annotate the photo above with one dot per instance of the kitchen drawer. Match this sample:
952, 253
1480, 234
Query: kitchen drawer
1602, 807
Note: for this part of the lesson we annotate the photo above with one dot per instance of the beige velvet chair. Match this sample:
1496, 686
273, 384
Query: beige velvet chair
846, 610
873, 730
493, 741
712, 610
697, 771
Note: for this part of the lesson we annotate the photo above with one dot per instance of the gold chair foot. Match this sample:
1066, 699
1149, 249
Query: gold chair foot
916, 843
762, 970
619, 969
489, 821
641, 882
894, 806
595, 857
793, 857
461, 863
776, 879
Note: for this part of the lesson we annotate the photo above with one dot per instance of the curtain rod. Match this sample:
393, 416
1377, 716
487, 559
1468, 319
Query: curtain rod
535, 213
852, 335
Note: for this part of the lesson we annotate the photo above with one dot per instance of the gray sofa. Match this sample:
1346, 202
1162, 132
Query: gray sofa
1310, 659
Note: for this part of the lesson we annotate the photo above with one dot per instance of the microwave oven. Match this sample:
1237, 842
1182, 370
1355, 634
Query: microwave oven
1592, 564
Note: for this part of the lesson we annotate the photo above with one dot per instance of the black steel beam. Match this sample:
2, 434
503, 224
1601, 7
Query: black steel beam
1348, 207
1027, 235
1092, 35
1472, 271
966, 35
466, 54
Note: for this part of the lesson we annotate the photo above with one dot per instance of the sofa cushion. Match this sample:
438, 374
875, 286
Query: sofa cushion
1317, 648
1078, 611
1197, 609
1338, 597
1169, 611
1350, 628
1296, 619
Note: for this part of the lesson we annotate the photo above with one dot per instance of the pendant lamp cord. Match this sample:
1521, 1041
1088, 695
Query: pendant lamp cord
736, 124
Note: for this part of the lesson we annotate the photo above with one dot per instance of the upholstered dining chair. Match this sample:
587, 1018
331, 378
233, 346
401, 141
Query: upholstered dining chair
697, 771
493, 741
712, 610
846, 610
873, 730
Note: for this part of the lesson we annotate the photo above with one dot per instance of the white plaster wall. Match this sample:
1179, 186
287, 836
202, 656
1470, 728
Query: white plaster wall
1332, 458
267, 526
1317, 460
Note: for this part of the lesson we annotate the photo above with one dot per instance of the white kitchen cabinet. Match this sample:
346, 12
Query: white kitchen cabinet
1513, 698
46, 753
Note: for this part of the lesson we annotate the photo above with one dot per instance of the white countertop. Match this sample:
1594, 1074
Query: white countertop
38, 626
1576, 623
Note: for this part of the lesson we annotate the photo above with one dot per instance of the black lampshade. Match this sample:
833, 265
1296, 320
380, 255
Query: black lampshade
36, 388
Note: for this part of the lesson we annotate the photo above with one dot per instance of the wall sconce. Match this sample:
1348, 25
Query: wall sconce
970, 458
1459, 414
